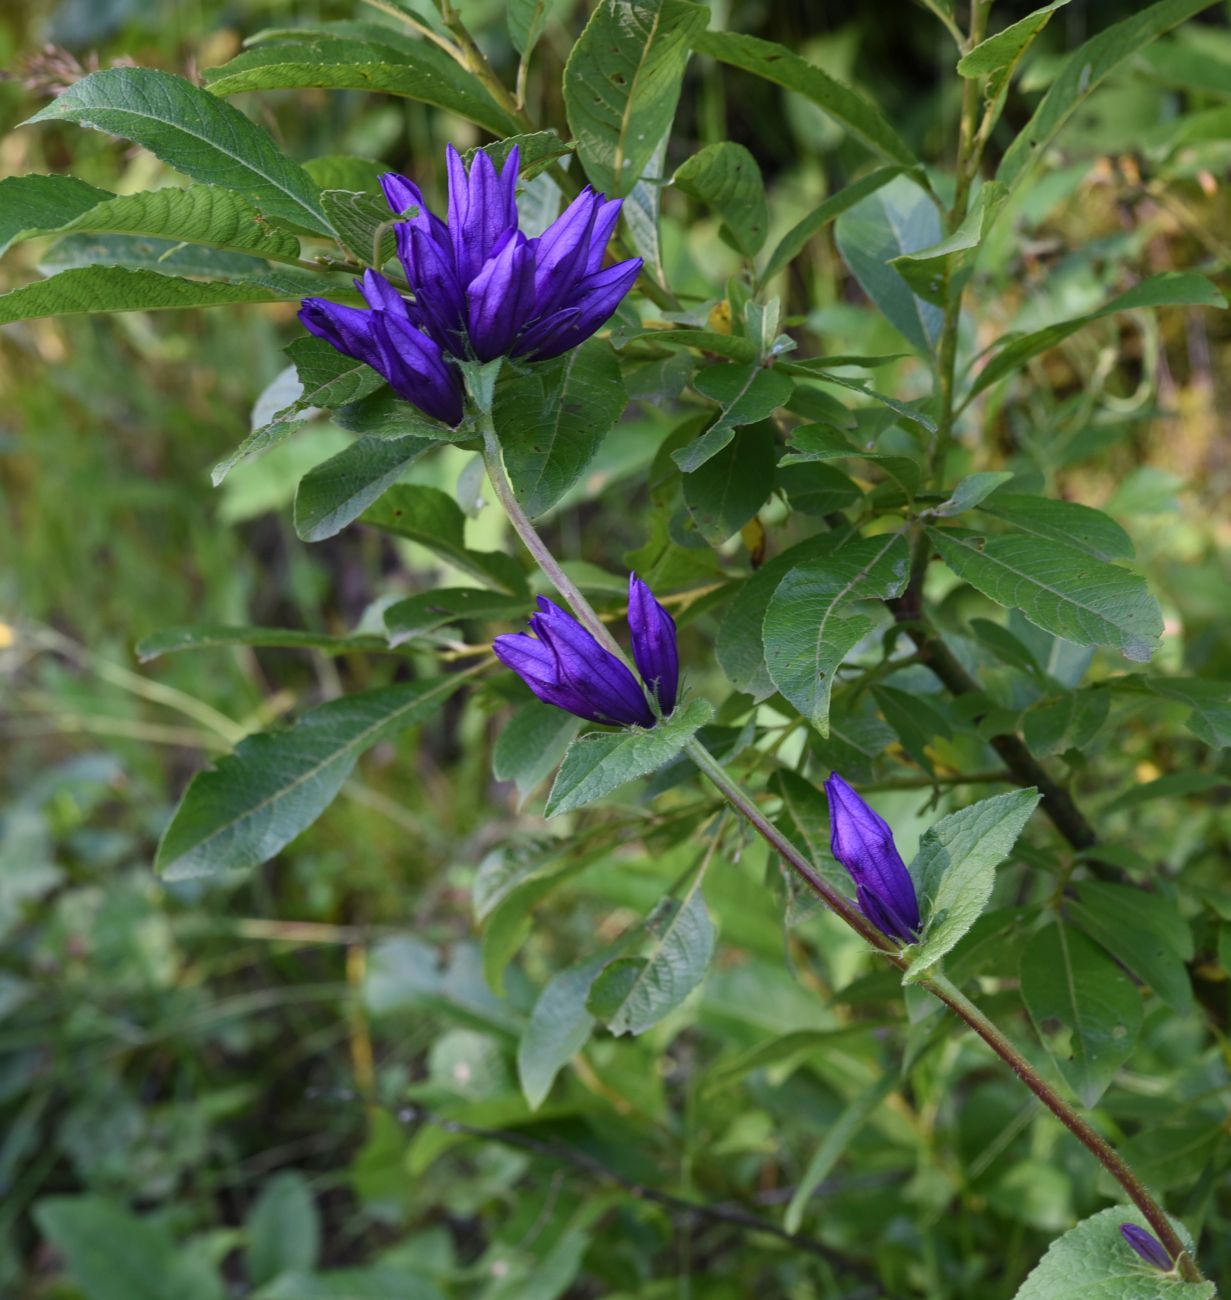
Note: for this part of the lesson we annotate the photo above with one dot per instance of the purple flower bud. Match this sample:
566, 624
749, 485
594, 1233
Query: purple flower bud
862, 842
654, 647
1147, 1246
481, 289
567, 667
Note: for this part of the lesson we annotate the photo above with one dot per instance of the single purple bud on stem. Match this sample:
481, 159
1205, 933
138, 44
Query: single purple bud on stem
654, 647
564, 665
1147, 1246
862, 842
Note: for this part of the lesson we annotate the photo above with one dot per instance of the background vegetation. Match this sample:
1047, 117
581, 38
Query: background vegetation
303, 1082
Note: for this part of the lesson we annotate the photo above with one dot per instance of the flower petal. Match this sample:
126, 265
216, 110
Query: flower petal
654, 643
594, 300
500, 298
593, 672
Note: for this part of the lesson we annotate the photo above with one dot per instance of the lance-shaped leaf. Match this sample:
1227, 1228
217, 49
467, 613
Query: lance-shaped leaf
622, 83
1058, 588
197, 134
1171, 289
29, 204
1085, 1008
206, 636
1062, 521
956, 867
600, 762
240, 812
941, 271
337, 491
745, 394
819, 613
778, 64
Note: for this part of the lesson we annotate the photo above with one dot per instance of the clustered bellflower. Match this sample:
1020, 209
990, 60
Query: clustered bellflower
1147, 1246
564, 665
481, 288
862, 842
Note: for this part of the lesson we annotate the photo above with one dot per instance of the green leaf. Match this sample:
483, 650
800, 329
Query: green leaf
173, 258
412, 70
532, 744
205, 636
29, 204
382, 414
558, 1027
634, 993
433, 519
113, 288
1144, 932
337, 491
740, 647
1058, 588
1062, 521
642, 209
956, 868
778, 64
1171, 289
745, 394
728, 490
838, 1136
1086, 1011
364, 224
940, 272
1093, 1262
1084, 71
792, 243
113, 1255
816, 617
282, 1228
433, 610
970, 491
1210, 719
600, 762
622, 82
1005, 47
340, 171
552, 418
1069, 720
818, 442
726, 177
243, 810
196, 134
381, 1283
724, 345
538, 150
817, 489
898, 219
526, 20
197, 214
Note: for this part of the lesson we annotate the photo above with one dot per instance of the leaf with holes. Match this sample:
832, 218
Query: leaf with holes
726, 178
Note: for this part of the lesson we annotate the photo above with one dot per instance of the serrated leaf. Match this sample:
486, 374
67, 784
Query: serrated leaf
778, 64
792, 243
197, 214
1083, 72
1005, 47
532, 744
364, 224
622, 82
898, 219
1093, 1262
956, 868
600, 762
412, 70
726, 178
433, 519
1062, 521
537, 150
40, 203
558, 1027
728, 489
337, 491
526, 20
634, 993
197, 134
817, 615
724, 345
1086, 1011
205, 636
1144, 931
1062, 590
552, 419
90, 289
240, 812
818, 442
175, 258
970, 491
432, 610
1171, 289
745, 394
341, 171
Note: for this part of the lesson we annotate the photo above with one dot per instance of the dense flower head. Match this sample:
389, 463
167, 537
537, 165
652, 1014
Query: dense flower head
481, 288
1147, 1246
564, 665
862, 842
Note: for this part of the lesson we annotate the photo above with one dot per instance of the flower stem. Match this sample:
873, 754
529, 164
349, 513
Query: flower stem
547, 562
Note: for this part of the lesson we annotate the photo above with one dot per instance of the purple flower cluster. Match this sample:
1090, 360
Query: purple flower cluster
862, 842
564, 665
481, 289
